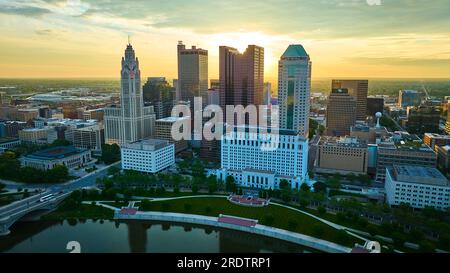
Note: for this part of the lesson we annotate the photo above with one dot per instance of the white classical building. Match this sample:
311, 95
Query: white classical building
148, 155
294, 87
245, 157
417, 186
68, 156
131, 121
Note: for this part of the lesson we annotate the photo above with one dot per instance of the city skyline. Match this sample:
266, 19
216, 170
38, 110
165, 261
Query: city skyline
60, 39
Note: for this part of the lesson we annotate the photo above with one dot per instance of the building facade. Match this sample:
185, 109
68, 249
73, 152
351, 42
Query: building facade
158, 93
163, 131
342, 155
294, 88
148, 155
409, 98
244, 158
91, 137
443, 153
432, 140
374, 105
34, 135
192, 73
417, 186
47, 159
241, 76
341, 113
358, 89
131, 121
405, 153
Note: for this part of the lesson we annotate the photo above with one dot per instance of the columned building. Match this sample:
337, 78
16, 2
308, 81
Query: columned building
244, 156
131, 121
294, 87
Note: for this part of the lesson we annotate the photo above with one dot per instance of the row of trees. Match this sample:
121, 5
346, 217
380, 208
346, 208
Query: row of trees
11, 169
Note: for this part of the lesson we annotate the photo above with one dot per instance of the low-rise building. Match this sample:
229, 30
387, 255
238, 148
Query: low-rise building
436, 139
9, 142
68, 156
443, 153
148, 155
163, 130
417, 186
342, 155
406, 152
91, 137
33, 135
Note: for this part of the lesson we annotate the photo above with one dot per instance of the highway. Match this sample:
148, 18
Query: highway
85, 181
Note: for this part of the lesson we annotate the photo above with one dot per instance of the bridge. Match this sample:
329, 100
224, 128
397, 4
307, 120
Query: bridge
15, 211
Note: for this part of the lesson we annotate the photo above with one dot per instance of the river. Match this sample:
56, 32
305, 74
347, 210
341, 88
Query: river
136, 237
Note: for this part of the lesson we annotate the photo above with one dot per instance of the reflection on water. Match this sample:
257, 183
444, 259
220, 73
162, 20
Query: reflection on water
136, 237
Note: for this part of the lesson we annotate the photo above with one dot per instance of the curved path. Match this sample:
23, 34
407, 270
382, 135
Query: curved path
350, 231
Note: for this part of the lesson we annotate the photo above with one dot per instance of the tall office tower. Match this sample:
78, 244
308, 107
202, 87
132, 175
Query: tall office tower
192, 73
158, 93
341, 112
294, 87
358, 89
131, 121
241, 76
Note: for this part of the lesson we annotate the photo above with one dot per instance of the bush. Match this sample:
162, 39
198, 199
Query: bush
208, 210
321, 210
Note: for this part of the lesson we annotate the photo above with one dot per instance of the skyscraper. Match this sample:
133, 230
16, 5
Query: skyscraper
131, 121
341, 112
358, 89
192, 73
294, 87
159, 94
241, 76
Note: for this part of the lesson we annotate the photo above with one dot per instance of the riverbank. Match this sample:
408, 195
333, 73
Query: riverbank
258, 229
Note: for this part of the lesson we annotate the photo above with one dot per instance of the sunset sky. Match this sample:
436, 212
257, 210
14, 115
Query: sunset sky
345, 38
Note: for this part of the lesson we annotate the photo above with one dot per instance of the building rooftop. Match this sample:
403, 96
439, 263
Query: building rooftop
149, 144
433, 135
343, 142
295, 51
4, 140
418, 174
55, 152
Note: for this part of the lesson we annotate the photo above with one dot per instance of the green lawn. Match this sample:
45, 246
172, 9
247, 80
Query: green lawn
271, 215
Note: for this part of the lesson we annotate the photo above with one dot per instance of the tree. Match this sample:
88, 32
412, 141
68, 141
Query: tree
110, 153
319, 187
212, 184
60, 142
284, 184
305, 187
230, 185
197, 169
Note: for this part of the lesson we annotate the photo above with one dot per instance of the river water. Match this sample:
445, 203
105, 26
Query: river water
136, 237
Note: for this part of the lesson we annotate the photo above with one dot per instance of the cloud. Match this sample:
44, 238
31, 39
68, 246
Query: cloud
24, 11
